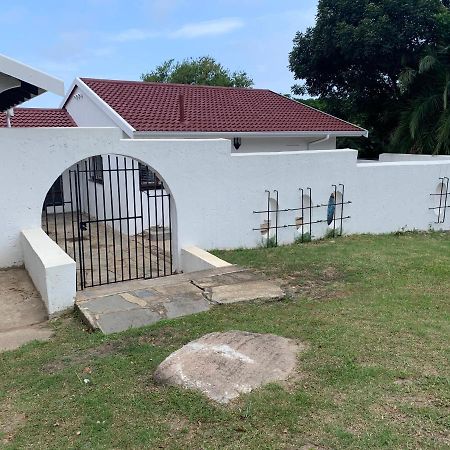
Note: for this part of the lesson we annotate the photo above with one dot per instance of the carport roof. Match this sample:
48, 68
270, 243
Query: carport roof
179, 108
38, 117
19, 83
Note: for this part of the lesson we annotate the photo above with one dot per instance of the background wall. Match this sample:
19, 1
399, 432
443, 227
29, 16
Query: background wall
215, 191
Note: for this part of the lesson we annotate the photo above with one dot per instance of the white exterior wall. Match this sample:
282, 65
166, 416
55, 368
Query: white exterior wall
275, 144
394, 157
284, 144
85, 112
215, 191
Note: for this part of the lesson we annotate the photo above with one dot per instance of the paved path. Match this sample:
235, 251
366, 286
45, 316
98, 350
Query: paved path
24, 317
118, 307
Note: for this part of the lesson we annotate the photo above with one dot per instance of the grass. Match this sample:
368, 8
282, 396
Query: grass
374, 312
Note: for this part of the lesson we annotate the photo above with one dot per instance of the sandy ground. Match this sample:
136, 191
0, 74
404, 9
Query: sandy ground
23, 315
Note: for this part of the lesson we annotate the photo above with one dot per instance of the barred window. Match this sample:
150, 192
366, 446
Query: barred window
148, 179
55, 195
96, 168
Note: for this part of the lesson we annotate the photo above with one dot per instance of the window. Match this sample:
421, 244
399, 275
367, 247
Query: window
55, 195
96, 168
148, 179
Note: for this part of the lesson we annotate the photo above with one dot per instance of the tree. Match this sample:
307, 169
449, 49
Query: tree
353, 57
424, 125
425, 122
204, 70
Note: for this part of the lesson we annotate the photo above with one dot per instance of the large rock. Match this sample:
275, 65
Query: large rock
224, 365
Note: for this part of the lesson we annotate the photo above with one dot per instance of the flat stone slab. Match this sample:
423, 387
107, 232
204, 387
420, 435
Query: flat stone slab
144, 302
184, 306
224, 365
124, 320
205, 281
242, 292
138, 308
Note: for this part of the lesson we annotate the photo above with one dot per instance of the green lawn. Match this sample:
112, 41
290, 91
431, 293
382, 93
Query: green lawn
373, 311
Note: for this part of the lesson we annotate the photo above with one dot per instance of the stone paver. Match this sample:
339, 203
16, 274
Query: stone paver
224, 365
242, 292
144, 293
123, 320
191, 304
137, 303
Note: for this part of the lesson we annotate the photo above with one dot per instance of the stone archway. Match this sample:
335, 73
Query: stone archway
113, 215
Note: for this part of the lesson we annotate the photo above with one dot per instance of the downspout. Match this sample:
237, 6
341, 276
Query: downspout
9, 114
319, 141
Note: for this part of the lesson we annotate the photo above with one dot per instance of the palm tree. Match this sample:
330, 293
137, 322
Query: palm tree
424, 125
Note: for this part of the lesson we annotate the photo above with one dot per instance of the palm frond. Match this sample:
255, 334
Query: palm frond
424, 110
446, 91
443, 134
427, 63
401, 141
406, 79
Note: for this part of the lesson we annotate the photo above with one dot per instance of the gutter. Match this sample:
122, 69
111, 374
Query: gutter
231, 134
319, 141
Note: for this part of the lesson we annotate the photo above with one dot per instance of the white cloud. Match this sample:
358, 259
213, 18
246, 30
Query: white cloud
134, 34
208, 28
190, 31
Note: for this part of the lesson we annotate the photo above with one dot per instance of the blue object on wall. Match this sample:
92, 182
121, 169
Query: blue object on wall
331, 209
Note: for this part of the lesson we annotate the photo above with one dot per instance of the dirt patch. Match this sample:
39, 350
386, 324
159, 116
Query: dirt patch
393, 408
177, 424
10, 421
85, 357
316, 285
167, 337
21, 303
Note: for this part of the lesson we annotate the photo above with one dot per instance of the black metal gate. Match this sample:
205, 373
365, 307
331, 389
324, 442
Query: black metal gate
112, 215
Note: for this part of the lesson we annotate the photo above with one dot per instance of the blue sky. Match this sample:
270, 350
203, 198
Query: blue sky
121, 39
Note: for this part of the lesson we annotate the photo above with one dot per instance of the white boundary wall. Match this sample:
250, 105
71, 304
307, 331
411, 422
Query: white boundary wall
216, 191
194, 259
53, 272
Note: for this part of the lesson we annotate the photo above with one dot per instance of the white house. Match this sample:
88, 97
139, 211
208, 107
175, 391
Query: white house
125, 176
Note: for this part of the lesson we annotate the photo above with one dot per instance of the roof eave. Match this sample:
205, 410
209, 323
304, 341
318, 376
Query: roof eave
110, 112
265, 134
41, 80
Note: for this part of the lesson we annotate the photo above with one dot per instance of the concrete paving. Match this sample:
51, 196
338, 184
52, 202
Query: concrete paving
118, 307
24, 317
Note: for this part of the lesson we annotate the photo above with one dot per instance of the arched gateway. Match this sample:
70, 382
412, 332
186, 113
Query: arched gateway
112, 215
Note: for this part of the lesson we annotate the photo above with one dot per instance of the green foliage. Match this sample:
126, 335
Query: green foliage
317, 103
270, 242
332, 234
300, 239
201, 71
355, 54
424, 125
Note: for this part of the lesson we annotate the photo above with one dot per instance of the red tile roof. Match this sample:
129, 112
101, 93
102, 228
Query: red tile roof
156, 107
38, 117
